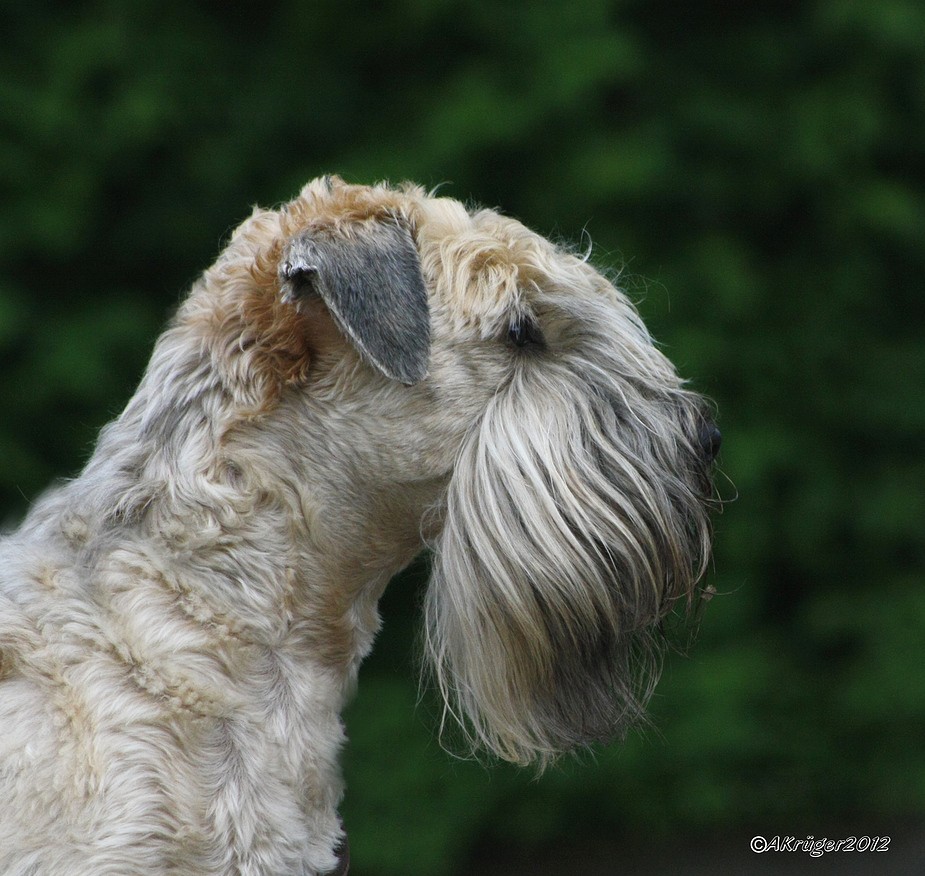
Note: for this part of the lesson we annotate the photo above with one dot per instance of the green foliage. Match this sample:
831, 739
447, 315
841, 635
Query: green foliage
756, 170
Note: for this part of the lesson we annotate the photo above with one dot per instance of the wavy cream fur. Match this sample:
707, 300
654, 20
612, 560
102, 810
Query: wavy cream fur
181, 625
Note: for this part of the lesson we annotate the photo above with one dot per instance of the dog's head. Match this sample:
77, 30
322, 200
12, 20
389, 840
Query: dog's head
573, 465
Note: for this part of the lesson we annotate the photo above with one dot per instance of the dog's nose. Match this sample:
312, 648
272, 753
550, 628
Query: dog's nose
710, 440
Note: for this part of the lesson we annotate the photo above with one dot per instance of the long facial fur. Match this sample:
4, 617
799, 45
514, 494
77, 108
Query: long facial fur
575, 521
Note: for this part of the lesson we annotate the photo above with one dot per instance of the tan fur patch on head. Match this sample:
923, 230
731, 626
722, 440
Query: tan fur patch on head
260, 342
331, 204
280, 332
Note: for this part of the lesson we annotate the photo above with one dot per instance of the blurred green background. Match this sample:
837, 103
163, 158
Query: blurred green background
758, 171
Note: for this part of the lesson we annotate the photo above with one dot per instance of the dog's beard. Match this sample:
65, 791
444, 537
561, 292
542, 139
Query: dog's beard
576, 518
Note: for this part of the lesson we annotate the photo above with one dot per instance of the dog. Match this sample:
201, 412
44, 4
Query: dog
363, 373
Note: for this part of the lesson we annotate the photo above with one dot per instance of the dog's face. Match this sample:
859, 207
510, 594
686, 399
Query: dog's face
572, 464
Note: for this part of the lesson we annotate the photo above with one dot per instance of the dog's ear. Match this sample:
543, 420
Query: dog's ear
369, 277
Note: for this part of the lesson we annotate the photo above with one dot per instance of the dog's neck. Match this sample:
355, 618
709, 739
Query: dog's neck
312, 579
271, 590
183, 468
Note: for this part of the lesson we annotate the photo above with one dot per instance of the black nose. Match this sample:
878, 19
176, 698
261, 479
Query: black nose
710, 440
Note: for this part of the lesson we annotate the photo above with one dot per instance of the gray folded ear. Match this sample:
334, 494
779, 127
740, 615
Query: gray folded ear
370, 278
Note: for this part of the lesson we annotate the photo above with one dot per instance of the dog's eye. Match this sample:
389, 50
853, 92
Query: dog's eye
524, 332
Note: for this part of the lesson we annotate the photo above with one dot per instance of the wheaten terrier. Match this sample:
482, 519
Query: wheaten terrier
362, 373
